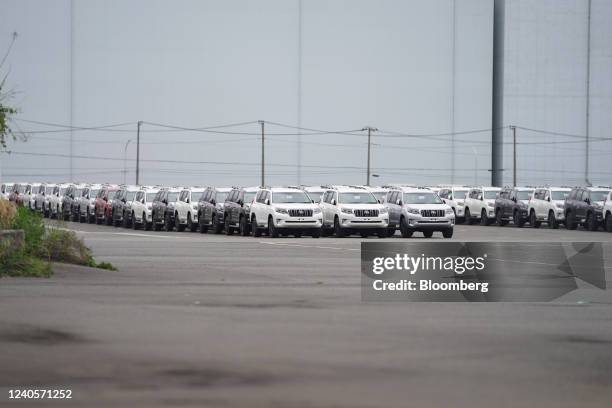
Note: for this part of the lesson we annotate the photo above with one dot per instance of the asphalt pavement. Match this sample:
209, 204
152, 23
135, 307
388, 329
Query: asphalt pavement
216, 321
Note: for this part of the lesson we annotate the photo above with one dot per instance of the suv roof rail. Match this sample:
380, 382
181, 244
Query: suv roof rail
358, 187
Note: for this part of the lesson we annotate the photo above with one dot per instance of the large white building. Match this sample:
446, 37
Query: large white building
421, 68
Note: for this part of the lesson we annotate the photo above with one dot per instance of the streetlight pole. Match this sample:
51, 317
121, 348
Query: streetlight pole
263, 154
138, 153
125, 160
370, 130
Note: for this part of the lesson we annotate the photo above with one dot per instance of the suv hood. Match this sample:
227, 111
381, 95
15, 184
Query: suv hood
296, 205
428, 206
361, 206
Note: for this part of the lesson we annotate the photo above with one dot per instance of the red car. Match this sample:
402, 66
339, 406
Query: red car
104, 203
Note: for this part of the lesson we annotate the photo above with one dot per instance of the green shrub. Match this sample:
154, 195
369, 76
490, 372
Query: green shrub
32, 224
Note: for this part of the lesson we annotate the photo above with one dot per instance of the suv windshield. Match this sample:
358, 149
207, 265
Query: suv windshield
21, 189
172, 196
111, 194
130, 195
422, 198
221, 196
93, 193
490, 195
524, 195
560, 195
599, 195
357, 198
150, 197
460, 194
380, 195
290, 197
78, 192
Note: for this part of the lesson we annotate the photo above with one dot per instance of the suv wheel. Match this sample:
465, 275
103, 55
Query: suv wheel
203, 228
167, 223
428, 234
192, 227
243, 228
135, 225
254, 229
338, 230
484, 220
552, 221
534, 221
177, 221
229, 230
517, 220
215, 225
272, 231
591, 224
468, 217
570, 221
447, 233
404, 229
383, 233
126, 221
609, 222
316, 233
499, 219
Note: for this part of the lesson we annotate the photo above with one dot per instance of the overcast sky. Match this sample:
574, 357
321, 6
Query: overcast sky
418, 67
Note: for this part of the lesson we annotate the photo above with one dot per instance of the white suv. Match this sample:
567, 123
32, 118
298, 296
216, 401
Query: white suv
548, 205
41, 202
455, 196
480, 205
87, 202
607, 213
29, 197
379, 192
353, 209
419, 209
56, 199
284, 210
186, 209
142, 208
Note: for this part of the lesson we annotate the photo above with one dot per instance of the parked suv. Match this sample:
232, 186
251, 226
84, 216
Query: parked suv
607, 212
41, 201
87, 203
121, 205
103, 206
480, 205
285, 210
353, 209
17, 194
236, 210
379, 192
163, 207
512, 204
186, 209
584, 206
72, 193
5, 190
210, 209
454, 196
547, 205
418, 209
142, 208
56, 200
29, 197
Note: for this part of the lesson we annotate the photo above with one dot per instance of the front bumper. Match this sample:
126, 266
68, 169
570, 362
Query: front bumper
285, 221
353, 222
418, 222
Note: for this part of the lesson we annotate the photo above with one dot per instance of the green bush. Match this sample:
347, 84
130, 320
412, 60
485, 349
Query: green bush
33, 226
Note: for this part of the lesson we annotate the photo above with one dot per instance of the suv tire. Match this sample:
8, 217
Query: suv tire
428, 234
468, 217
608, 222
254, 229
203, 228
447, 233
316, 233
552, 221
190, 225
177, 221
229, 230
517, 220
167, 224
338, 231
243, 227
499, 219
533, 220
484, 220
570, 221
272, 231
404, 229
215, 224
591, 224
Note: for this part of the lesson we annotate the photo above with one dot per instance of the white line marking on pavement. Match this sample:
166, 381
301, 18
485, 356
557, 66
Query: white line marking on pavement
308, 246
118, 233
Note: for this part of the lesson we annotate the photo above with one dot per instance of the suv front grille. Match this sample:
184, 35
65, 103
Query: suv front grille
300, 213
365, 213
432, 213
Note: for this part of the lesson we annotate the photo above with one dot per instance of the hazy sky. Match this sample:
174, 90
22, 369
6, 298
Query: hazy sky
418, 67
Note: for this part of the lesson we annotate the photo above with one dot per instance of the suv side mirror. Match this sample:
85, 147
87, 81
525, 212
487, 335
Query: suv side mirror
312, 201
267, 201
399, 202
480, 197
142, 200
587, 200
213, 202
165, 201
188, 201
334, 202
240, 202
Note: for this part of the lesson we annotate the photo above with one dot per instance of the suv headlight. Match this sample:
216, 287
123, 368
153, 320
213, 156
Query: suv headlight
316, 210
347, 210
597, 206
460, 203
383, 211
449, 211
281, 210
412, 210
491, 204
560, 205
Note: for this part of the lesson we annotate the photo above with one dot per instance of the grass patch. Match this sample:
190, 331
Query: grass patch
42, 246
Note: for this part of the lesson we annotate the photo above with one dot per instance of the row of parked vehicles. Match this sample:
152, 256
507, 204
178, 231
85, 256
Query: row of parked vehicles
295, 210
317, 210
590, 207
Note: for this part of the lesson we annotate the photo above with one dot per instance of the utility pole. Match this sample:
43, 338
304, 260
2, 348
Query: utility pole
588, 100
370, 130
138, 153
125, 160
263, 154
513, 128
